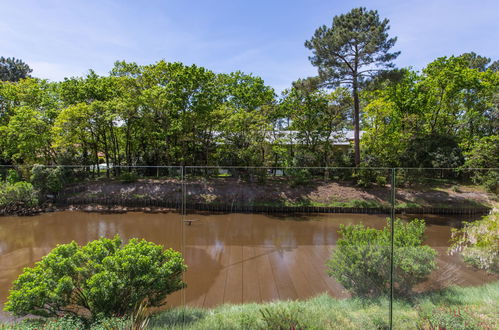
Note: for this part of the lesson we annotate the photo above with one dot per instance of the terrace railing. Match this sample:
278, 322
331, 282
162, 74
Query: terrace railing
261, 234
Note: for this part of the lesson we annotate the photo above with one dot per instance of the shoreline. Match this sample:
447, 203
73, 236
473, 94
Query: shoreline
149, 207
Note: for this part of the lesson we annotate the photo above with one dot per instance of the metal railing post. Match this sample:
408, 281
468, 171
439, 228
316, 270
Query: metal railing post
392, 233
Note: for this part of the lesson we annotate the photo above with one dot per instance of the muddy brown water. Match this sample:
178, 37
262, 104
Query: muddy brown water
232, 258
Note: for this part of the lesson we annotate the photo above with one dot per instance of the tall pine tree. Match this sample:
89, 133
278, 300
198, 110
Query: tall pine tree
355, 48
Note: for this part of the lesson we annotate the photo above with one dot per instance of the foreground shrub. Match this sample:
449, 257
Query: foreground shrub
478, 243
101, 279
18, 194
361, 261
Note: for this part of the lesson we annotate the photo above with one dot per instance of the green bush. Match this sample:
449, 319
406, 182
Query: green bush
13, 176
364, 177
101, 279
47, 179
361, 261
18, 194
478, 243
381, 180
128, 177
298, 176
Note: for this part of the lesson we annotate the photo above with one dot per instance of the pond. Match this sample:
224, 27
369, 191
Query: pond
232, 258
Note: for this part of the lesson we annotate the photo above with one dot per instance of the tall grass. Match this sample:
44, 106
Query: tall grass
323, 312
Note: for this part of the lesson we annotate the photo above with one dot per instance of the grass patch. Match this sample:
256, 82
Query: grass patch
325, 312
350, 203
453, 306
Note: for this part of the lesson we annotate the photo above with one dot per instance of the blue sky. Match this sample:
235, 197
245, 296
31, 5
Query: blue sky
60, 38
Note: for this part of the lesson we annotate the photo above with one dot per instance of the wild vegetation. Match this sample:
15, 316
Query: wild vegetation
478, 243
171, 114
452, 308
103, 278
174, 114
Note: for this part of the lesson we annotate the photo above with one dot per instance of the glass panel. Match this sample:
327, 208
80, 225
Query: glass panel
258, 235
84, 203
446, 276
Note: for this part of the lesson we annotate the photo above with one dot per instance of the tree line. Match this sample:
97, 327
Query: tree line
445, 115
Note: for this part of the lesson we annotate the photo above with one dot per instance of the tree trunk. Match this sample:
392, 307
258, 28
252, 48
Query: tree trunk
356, 121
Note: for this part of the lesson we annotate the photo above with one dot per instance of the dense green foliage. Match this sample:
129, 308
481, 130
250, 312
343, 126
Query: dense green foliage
12, 69
447, 115
172, 114
478, 243
47, 179
100, 279
485, 154
17, 194
434, 119
361, 261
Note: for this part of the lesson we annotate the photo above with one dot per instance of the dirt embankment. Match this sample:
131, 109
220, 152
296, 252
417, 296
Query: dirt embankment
279, 192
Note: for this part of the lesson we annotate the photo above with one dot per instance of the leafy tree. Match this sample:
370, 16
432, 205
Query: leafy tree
430, 119
26, 138
475, 61
318, 118
100, 279
12, 69
27, 110
353, 49
244, 120
485, 153
361, 261
483, 158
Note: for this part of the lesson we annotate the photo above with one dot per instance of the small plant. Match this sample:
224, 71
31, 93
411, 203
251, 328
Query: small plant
454, 318
12, 176
140, 316
101, 279
298, 177
128, 177
361, 261
66, 322
366, 177
381, 180
280, 319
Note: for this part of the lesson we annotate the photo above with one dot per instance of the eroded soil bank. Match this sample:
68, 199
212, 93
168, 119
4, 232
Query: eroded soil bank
231, 193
